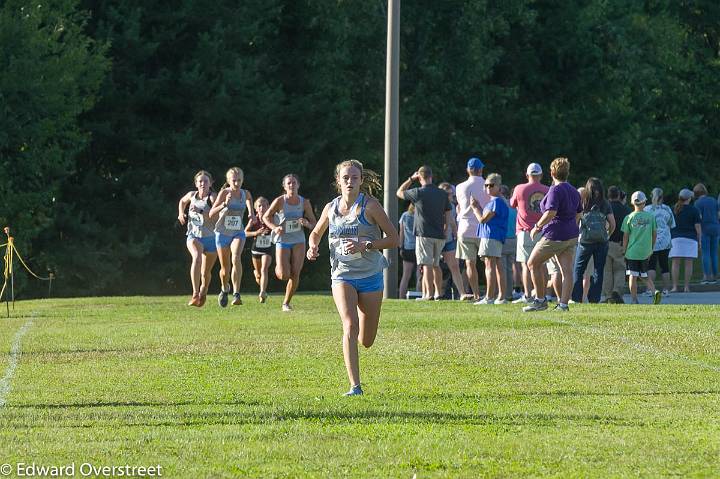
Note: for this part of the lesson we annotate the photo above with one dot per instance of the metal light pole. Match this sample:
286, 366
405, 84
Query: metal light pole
392, 119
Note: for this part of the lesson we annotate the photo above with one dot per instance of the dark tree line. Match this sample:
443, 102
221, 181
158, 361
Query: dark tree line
109, 107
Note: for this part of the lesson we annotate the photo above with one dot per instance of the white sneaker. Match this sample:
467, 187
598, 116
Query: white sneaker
484, 301
522, 299
286, 308
423, 298
502, 301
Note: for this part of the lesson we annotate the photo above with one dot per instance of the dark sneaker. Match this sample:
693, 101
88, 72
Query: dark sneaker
561, 308
616, 298
354, 391
657, 297
536, 305
223, 299
236, 299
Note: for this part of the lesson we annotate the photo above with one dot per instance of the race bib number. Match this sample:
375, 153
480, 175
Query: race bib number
196, 219
292, 226
344, 255
263, 241
233, 222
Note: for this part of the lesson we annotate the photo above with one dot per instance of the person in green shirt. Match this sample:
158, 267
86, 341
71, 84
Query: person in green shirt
639, 234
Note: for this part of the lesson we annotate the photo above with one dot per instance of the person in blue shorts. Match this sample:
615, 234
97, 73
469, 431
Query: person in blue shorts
200, 236
231, 205
287, 216
357, 222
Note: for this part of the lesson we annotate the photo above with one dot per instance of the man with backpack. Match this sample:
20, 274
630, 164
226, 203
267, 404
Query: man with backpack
597, 222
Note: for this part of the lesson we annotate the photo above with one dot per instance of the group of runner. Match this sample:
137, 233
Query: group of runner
216, 228
359, 229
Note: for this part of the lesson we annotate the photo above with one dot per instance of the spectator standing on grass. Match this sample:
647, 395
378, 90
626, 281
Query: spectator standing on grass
468, 241
597, 223
614, 274
686, 237
493, 219
710, 228
448, 251
407, 251
665, 221
432, 217
639, 235
509, 248
558, 225
527, 198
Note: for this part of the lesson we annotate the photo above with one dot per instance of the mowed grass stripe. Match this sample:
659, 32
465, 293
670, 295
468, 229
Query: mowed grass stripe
453, 390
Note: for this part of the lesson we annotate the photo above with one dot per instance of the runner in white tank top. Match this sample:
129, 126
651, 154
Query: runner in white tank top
287, 216
200, 239
230, 207
356, 265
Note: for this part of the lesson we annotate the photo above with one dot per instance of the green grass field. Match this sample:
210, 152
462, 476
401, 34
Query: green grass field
452, 390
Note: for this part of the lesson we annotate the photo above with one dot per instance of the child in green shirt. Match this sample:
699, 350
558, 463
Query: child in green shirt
639, 234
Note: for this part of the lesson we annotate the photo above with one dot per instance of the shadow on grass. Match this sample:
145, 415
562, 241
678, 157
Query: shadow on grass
323, 417
531, 394
108, 404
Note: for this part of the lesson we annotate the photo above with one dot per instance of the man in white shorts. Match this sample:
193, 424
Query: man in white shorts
526, 199
468, 241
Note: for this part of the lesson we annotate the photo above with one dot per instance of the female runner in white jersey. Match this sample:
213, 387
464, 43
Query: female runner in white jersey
230, 207
200, 236
287, 216
355, 220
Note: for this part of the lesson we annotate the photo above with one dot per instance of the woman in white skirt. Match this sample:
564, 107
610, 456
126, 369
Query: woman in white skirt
685, 238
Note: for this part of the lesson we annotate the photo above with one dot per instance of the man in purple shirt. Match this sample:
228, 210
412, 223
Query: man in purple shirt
561, 210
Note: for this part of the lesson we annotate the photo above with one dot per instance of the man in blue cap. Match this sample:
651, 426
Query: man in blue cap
468, 242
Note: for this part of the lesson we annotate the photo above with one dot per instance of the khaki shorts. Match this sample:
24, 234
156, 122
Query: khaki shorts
552, 266
429, 250
467, 248
509, 247
490, 248
525, 245
546, 247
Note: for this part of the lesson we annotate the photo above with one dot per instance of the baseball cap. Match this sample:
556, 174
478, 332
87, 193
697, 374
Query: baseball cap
534, 169
475, 163
638, 198
685, 194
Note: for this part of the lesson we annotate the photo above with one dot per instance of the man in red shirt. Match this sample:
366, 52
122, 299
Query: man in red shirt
526, 199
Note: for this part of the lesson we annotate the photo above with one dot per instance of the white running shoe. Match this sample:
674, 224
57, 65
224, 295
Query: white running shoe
502, 301
522, 299
484, 301
286, 308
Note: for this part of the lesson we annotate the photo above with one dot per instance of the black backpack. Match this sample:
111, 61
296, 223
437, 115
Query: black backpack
592, 226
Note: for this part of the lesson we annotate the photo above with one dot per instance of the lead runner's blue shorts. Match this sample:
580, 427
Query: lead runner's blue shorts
208, 243
371, 284
223, 241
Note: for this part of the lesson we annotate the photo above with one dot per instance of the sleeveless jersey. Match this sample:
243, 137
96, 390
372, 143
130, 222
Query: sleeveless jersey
230, 220
198, 225
354, 226
288, 217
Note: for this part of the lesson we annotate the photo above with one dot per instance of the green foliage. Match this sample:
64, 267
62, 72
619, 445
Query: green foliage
625, 89
50, 73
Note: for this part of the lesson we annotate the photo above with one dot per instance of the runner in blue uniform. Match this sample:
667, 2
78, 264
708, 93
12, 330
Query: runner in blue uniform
200, 236
230, 207
357, 223
287, 216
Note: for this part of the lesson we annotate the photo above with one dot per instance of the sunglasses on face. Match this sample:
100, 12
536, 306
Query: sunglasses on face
489, 185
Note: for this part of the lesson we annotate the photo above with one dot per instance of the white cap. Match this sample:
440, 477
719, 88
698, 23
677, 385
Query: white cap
534, 169
638, 198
